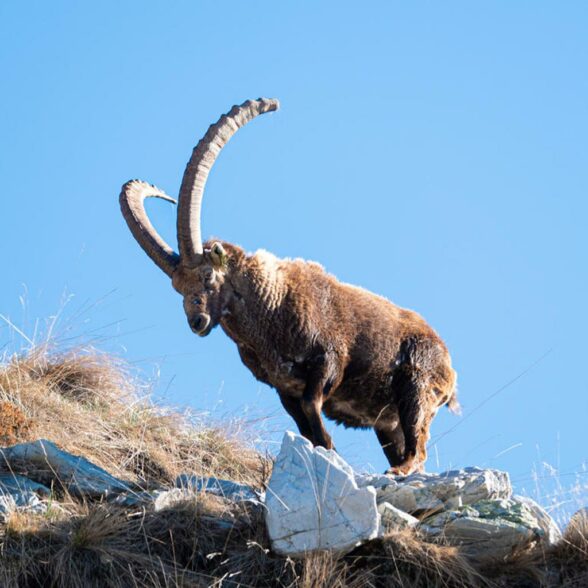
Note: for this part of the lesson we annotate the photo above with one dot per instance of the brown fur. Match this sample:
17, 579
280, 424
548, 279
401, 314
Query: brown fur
325, 346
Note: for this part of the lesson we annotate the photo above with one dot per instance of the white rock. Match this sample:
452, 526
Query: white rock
79, 475
10, 482
375, 480
488, 538
394, 518
489, 528
225, 488
449, 490
313, 502
552, 532
26, 501
410, 498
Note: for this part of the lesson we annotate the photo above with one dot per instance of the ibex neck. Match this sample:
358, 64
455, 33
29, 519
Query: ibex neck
259, 290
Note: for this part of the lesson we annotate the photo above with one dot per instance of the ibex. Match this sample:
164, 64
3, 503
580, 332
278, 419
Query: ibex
325, 346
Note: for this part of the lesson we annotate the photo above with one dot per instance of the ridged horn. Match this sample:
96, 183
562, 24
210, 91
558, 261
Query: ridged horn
194, 181
132, 205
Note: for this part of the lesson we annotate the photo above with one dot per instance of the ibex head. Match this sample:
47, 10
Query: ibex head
200, 272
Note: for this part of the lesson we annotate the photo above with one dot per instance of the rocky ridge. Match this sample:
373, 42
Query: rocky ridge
314, 500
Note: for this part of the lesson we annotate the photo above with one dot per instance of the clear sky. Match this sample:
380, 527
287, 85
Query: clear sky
432, 152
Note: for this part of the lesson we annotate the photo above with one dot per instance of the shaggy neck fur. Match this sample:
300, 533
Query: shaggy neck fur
259, 290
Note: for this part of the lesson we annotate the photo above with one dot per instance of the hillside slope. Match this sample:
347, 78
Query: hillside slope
90, 404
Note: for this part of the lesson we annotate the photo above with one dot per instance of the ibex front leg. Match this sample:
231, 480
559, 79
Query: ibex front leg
294, 408
312, 402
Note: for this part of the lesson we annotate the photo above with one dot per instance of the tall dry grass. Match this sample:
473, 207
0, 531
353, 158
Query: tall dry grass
92, 404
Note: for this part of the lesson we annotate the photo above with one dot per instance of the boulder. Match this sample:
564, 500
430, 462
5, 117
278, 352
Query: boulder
423, 493
26, 501
10, 483
551, 531
313, 501
490, 528
225, 488
393, 518
410, 498
80, 476
375, 480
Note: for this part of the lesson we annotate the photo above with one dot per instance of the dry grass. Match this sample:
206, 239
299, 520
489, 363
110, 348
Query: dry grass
90, 404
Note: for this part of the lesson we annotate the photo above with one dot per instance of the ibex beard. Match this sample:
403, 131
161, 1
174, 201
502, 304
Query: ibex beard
327, 347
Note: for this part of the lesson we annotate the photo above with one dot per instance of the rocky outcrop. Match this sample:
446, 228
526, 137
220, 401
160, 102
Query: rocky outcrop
470, 508
393, 518
420, 493
489, 528
21, 500
314, 500
75, 473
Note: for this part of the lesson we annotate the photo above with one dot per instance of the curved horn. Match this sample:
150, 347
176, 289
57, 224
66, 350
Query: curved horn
203, 157
132, 204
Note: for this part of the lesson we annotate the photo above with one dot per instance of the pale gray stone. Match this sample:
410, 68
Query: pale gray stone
10, 482
26, 501
313, 502
410, 498
551, 530
225, 488
394, 518
80, 476
375, 480
490, 528
450, 490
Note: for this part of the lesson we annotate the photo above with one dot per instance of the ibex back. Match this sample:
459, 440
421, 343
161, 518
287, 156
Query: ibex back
325, 346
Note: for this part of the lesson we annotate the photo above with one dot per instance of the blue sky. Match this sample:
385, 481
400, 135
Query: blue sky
434, 153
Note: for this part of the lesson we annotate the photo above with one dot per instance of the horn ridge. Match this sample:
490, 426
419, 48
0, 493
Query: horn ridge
196, 173
132, 204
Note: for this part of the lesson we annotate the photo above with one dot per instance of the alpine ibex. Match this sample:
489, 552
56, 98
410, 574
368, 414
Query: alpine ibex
325, 346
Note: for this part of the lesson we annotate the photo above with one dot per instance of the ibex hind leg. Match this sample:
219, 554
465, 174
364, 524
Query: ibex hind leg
391, 438
415, 419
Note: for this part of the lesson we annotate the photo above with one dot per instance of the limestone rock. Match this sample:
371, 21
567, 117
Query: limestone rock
551, 531
410, 498
313, 502
25, 500
489, 528
394, 518
450, 490
10, 483
375, 480
225, 488
80, 476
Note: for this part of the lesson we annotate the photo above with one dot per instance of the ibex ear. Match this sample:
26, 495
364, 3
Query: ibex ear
218, 254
